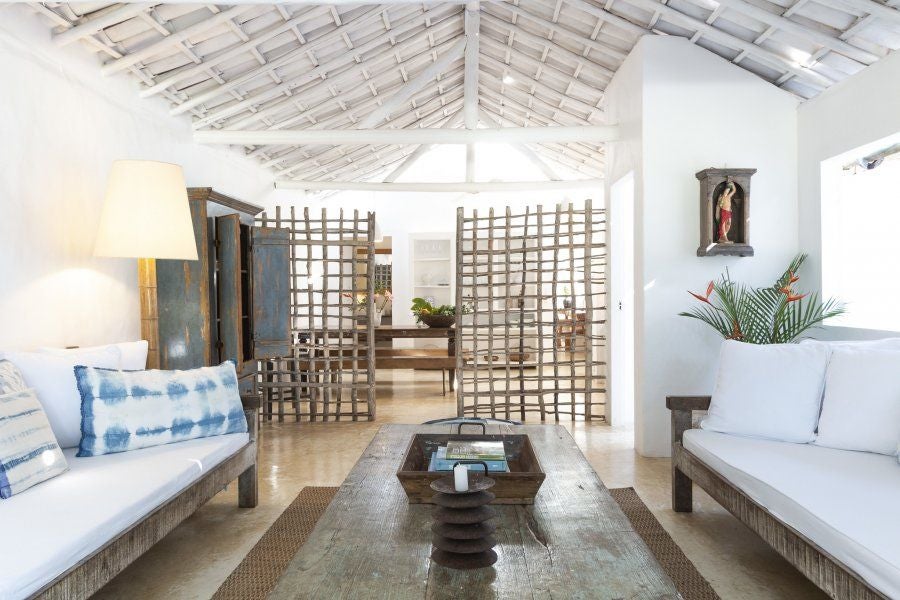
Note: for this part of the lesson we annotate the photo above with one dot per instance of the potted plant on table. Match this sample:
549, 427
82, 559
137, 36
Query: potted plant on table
436, 316
769, 315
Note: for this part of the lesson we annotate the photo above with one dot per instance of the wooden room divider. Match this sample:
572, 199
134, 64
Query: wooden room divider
531, 313
330, 373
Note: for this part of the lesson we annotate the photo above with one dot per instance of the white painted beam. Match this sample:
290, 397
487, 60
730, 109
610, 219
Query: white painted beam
454, 187
470, 80
508, 135
414, 85
92, 26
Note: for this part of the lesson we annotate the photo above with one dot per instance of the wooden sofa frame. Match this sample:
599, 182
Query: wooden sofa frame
828, 573
94, 571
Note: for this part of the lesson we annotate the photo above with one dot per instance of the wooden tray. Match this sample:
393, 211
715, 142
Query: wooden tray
519, 486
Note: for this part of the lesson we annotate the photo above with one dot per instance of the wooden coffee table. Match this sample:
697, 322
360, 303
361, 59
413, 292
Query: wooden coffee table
574, 542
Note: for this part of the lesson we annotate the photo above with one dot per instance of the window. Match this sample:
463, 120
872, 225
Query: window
861, 236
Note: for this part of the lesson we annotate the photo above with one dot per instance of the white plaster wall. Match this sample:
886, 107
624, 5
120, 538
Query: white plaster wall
62, 125
699, 111
861, 109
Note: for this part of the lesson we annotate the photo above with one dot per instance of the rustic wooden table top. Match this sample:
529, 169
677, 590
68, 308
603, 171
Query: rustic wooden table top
574, 542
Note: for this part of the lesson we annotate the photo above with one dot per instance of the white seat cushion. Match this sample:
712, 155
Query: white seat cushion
845, 502
58, 523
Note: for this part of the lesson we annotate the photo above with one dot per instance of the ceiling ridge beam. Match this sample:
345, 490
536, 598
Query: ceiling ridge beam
470, 80
414, 85
593, 134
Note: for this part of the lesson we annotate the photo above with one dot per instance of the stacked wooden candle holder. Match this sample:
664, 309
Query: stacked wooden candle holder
462, 534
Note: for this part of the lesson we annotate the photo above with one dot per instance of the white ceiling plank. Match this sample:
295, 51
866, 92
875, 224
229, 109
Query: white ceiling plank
876, 9
92, 26
230, 53
284, 59
470, 81
785, 24
401, 96
455, 187
594, 134
155, 48
768, 57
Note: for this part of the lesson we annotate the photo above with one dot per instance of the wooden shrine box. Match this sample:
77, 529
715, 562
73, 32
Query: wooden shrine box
231, 304
519, 486
712, 183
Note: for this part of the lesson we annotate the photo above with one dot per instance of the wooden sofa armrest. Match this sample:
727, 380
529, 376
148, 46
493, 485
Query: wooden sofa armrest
682, 408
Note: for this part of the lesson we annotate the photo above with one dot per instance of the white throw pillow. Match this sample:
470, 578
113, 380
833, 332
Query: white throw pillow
53, 380
133, 354
861, 409
768, 391
832, 345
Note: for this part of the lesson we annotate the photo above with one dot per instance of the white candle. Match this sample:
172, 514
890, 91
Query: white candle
461, 478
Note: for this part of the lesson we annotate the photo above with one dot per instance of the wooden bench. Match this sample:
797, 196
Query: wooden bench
831, 575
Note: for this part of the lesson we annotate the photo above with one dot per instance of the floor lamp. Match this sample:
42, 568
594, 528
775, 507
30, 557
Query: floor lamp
146, 216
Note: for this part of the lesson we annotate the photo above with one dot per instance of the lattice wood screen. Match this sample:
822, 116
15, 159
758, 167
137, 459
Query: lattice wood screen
535, 341
331, 374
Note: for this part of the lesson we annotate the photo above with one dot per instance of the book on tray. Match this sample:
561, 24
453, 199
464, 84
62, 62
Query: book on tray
476, 450
441, 462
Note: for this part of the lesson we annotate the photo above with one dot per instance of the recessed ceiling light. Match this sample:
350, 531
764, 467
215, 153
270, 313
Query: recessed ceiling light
507, 79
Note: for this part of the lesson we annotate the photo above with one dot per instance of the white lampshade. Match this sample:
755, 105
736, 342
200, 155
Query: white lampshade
146, 213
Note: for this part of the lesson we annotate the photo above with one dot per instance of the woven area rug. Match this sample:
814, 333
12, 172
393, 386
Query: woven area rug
258, 573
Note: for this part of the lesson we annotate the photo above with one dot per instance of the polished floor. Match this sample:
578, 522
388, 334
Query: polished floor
195, 558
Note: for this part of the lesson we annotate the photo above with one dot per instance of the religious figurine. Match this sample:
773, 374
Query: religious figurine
724, 211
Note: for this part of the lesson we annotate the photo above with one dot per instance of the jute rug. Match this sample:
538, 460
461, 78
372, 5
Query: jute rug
258, 573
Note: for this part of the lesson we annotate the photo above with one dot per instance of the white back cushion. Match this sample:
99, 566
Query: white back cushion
861, 409
133, 354
53, 380
768, 391
884, 343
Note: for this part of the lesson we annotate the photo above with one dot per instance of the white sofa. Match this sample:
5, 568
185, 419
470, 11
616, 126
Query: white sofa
833, 513
66, 537
62, 522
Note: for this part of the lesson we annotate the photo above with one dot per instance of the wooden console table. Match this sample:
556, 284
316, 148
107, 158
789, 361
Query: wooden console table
574, 542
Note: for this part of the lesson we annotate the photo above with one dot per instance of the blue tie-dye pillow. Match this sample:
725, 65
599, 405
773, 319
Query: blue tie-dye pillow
128, 410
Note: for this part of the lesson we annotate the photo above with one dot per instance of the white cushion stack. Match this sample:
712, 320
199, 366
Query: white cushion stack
843, 395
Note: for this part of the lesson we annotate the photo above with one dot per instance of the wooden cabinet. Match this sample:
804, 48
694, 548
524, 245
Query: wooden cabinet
231, 304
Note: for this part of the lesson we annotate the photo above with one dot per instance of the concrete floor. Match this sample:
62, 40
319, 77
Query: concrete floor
193, 560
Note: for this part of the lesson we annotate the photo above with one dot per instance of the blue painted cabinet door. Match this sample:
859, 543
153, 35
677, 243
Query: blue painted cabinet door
271, 296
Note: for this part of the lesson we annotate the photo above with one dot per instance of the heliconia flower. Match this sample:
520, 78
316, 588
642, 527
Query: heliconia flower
786, 290
793, 278
792, 298
709, 291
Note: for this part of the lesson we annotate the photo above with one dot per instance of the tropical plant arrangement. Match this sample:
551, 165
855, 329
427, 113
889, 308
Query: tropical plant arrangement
436, 316
770, 315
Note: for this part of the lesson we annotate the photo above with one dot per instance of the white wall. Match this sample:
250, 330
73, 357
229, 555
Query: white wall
860, 110
698, 111
62, 125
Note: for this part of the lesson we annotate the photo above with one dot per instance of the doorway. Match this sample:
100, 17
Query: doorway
620, 408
